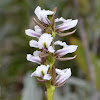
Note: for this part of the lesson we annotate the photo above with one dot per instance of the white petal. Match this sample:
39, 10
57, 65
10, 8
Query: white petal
66, 50
64, 75
32, 33
60, 43
45, 38
62, 19
48, 12
33, 43
33, 58
68, 25
45, 69
38, 12
39, 69
33, 74
42, 15
47, 77
42, 68
36, 53
38, 29
51, 49
58, 71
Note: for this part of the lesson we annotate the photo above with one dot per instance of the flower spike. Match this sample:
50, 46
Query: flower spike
45, 32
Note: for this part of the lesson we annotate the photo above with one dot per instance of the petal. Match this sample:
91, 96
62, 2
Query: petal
45, 38
68, 25
64, 76
38, 29
33, 58
33, 74
33, 43
37, 12
66, 50
48, 12
36, 53
62, 19
58, 71
42, 15
60, 43
32, 33
47, 77
51, 49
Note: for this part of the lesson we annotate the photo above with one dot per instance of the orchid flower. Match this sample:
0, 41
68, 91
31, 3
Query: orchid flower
44, 42
42, 15
63, 76
66, 25
65, 50
41, 71
37, 33
35, 57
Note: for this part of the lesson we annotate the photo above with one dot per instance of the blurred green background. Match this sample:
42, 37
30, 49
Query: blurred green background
15, 70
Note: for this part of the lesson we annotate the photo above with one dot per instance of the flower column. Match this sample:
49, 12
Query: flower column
45, 33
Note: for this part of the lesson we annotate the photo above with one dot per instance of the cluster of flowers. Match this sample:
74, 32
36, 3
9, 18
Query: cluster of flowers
45, 33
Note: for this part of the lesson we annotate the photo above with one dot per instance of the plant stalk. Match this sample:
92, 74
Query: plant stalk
50, 91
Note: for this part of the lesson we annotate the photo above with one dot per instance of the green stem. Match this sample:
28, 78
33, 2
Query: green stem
50, 91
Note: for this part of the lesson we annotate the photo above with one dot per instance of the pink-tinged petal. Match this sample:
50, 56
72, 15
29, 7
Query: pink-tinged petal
42, 15
47, 77
63, 75
65, 59
33, 58
33, 43
66, 50
68, 25
66, 34
32, 33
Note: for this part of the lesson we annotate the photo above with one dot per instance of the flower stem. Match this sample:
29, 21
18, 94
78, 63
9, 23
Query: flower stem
50, 91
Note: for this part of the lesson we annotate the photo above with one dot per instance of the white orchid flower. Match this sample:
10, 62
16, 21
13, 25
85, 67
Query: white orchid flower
43, 42
42, 15
41, 71
63, 76
37, 33
67, 24
35, 57
65, 50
